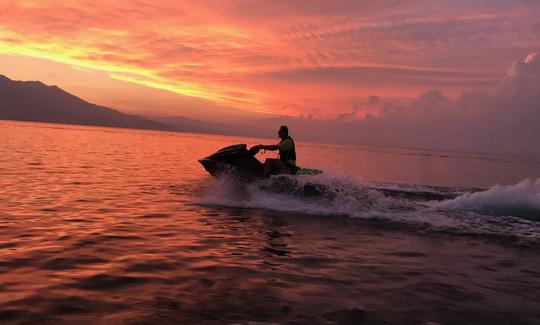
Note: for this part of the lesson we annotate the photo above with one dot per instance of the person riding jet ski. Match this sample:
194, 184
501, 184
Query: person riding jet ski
238, 161
287, 154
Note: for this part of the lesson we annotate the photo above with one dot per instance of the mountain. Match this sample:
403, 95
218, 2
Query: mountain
37, 102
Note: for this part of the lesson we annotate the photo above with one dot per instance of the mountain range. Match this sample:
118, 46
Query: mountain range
35, 101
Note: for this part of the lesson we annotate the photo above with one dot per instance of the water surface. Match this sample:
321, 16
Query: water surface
117, 226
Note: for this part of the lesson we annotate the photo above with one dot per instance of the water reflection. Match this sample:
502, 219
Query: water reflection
101, 226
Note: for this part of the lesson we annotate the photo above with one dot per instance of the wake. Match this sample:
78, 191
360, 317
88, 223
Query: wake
506, 211
519, 200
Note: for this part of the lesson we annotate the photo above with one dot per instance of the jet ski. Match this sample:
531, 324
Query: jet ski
239, 162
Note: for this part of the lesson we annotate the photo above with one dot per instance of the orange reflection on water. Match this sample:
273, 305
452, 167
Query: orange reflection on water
101, 226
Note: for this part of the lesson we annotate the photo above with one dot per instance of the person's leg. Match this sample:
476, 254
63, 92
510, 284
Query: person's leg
268, 166
271, 165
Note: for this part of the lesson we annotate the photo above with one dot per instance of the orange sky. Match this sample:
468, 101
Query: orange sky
223, 59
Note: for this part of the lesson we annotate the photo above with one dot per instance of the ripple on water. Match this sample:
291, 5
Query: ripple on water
9, 265
7, 245
10, 315
275, 251
50, 309
155, 215
107, 282
448, 291
120, 237
79, 220
64, 263
70, 305
154, 266
406, 254
96, 239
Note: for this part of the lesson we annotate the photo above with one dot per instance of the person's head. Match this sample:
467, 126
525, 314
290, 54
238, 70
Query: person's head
283, 132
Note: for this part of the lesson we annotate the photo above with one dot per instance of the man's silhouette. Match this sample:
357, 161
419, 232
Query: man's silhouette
287, 154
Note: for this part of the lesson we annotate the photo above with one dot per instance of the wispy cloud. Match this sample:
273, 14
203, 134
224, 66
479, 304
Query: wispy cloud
264, 56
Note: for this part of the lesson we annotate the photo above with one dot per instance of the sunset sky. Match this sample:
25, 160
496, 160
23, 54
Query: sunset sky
223, 59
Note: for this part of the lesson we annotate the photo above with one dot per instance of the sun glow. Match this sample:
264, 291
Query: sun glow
282, 58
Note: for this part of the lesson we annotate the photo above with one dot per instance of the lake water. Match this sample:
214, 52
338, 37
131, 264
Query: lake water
115, 226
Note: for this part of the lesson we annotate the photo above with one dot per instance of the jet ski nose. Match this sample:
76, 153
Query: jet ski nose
205, 161
208, 163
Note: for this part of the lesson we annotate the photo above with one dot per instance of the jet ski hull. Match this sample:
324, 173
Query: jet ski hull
239, 162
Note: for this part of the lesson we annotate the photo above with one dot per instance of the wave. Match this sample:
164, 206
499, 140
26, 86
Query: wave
507, 211
519, 200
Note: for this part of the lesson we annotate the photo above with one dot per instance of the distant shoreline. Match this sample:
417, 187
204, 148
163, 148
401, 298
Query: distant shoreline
471, 155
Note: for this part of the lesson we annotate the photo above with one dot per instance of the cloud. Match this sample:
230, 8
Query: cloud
264, 55
359, 76
502, 121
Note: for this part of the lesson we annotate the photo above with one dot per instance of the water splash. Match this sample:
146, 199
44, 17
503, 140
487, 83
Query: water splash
519, 200
450, 210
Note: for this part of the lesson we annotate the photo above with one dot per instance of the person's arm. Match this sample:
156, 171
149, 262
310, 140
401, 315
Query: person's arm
271, 147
